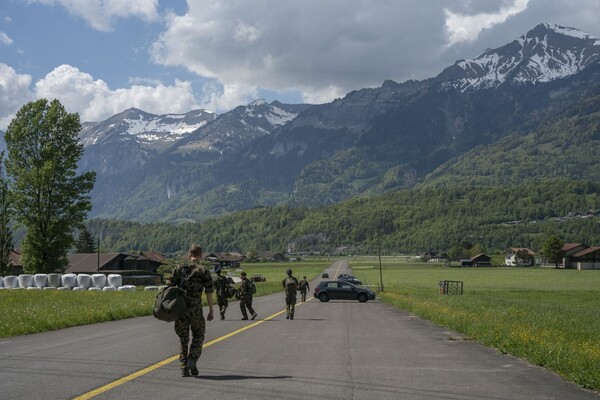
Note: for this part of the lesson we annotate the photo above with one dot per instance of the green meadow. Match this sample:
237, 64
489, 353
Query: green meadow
549, 317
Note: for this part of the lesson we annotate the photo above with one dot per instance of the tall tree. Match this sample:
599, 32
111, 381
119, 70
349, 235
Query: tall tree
6, 238
49, 198
552, 249
85, 242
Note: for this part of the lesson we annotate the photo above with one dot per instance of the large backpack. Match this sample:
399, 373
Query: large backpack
170, 304
251, 287
291, 285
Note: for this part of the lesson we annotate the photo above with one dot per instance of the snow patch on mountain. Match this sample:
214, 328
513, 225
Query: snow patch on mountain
545, 53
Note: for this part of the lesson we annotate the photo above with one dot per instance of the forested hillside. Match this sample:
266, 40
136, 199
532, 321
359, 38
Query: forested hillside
409, 221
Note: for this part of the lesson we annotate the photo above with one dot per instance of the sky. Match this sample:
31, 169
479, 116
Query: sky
101, 57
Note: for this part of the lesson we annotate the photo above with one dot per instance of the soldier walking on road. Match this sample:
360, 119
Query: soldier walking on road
245, 292
290, 286
193, 278
221, 284
303, 287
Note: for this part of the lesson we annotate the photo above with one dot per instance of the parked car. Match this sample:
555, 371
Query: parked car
325, 275
351, 279
342, 290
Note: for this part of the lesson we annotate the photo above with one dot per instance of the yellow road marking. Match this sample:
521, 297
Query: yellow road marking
337, 270
169, 360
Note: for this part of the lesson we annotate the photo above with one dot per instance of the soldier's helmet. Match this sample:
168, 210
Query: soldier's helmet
289, 272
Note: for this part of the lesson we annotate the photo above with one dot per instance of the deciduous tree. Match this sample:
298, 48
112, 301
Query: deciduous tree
49, 198
6, 238
552, 249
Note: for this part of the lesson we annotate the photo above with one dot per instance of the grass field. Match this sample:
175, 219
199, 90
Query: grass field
549, 317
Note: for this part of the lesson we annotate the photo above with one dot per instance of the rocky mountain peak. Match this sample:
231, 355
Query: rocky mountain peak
545, 53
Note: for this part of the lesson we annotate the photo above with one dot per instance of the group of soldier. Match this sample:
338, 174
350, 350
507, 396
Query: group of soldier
194, 278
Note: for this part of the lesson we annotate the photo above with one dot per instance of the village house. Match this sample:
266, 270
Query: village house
225, 260
136, 268
581, 257
511, 260
480, 260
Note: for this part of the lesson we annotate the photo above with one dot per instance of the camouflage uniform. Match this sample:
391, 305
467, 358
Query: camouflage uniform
304, 287
290, 296
246, 299
220, 284
197, 278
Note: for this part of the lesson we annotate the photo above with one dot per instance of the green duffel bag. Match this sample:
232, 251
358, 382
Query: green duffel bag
230, 291
170, 304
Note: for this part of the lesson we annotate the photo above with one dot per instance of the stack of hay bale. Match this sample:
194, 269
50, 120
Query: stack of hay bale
75, 282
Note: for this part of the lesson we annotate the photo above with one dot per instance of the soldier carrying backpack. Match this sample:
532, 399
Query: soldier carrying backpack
290, 286
303, 287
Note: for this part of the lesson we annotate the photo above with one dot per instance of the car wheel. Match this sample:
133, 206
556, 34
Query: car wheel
324, 297
362, 297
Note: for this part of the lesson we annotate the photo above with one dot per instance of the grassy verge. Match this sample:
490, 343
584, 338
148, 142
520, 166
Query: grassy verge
32, 311
546, 316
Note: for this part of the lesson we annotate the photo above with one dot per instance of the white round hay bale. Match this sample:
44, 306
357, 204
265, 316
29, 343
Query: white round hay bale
79, 288
151, 288
41, 280
115, 280
34, 288
49, 288
1, 281
54, 280
84, 281
126, 288
98, 280
63, 288
94, 289
69, 280
109, 289
25, 280
11, 281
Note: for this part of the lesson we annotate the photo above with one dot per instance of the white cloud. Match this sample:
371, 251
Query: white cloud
463, 27
4, 38
14, 93
101, 14
95, 101
321, 49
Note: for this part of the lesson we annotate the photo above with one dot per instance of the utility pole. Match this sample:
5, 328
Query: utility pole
98, 250
380, 272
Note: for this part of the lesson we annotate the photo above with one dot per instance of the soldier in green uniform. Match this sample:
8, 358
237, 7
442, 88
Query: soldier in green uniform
290, 286
220, 285
193, 278
303, 287
246, 291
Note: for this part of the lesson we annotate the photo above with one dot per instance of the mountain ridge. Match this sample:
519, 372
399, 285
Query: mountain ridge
369, 142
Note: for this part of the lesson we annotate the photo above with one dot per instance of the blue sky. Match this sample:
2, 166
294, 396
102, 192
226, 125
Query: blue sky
100, 57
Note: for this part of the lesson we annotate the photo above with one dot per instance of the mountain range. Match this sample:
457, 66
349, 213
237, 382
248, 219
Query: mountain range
190, 167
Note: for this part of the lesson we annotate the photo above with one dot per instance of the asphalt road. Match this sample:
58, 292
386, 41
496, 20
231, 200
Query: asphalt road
337, 350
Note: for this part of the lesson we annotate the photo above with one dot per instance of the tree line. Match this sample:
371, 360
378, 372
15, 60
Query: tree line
410, 221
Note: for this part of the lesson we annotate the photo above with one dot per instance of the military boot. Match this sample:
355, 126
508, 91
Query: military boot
193, 368
185, 372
